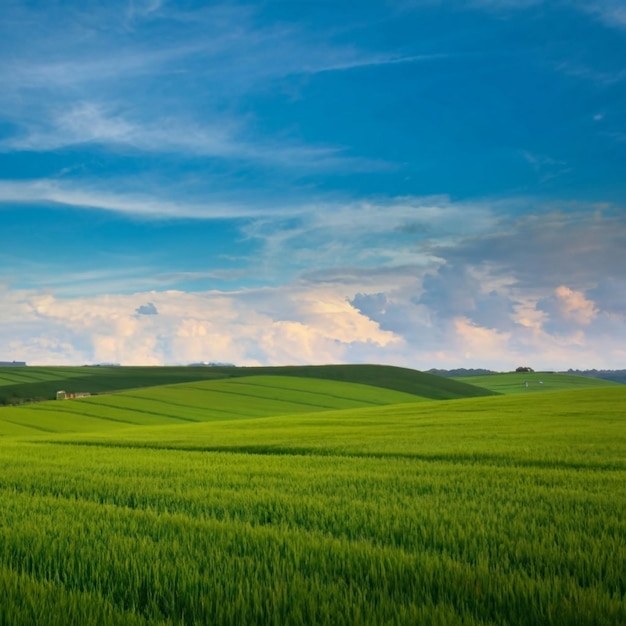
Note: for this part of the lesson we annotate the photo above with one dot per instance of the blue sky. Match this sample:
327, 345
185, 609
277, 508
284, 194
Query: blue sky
425, 183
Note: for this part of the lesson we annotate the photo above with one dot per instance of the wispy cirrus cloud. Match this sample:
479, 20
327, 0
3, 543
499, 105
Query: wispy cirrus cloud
50, 192
603, 77
143, 8
611, 13
101, 97
90, 123
539, 245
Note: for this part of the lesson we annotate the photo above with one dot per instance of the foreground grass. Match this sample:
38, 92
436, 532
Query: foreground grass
506, 510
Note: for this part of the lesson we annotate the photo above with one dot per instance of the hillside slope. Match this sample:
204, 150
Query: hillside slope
220, 400
385, 376
19, 384
500, 430
525, 382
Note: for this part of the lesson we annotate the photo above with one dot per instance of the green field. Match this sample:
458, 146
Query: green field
230, 399
515, 382
28, 384
276, 499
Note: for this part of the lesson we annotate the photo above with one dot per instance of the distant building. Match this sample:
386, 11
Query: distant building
64, 395
12, 363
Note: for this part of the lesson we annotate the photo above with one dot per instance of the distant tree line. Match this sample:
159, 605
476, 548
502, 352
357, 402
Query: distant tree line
461, 372
618, 376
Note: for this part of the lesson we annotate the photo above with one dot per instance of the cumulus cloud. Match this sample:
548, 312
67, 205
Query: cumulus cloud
574, 306
544, 290
309, 323
547, 291
289, 325
479, 342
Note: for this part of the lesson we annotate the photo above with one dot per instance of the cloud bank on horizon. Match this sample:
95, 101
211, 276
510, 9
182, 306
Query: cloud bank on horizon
421, 183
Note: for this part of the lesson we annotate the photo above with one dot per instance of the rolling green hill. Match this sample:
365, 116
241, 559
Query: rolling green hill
515, 382
385, 376
229, 399
19, 384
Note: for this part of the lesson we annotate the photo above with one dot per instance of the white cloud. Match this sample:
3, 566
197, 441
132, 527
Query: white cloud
307, 322
477, 342
366, 234
301, 226
290, 325
97, 123
574, 306
85, 194
89, 122
99, 87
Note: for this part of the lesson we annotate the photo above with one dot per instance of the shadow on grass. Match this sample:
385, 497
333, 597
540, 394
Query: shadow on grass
471, 458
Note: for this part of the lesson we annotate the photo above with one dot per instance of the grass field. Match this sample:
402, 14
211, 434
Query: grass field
19, 384
231, 399
515, 382
286, 500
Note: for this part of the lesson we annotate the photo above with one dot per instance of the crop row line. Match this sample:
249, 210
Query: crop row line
258, 397
135, 410
180, 404
39, 428
47, 409
312, 393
